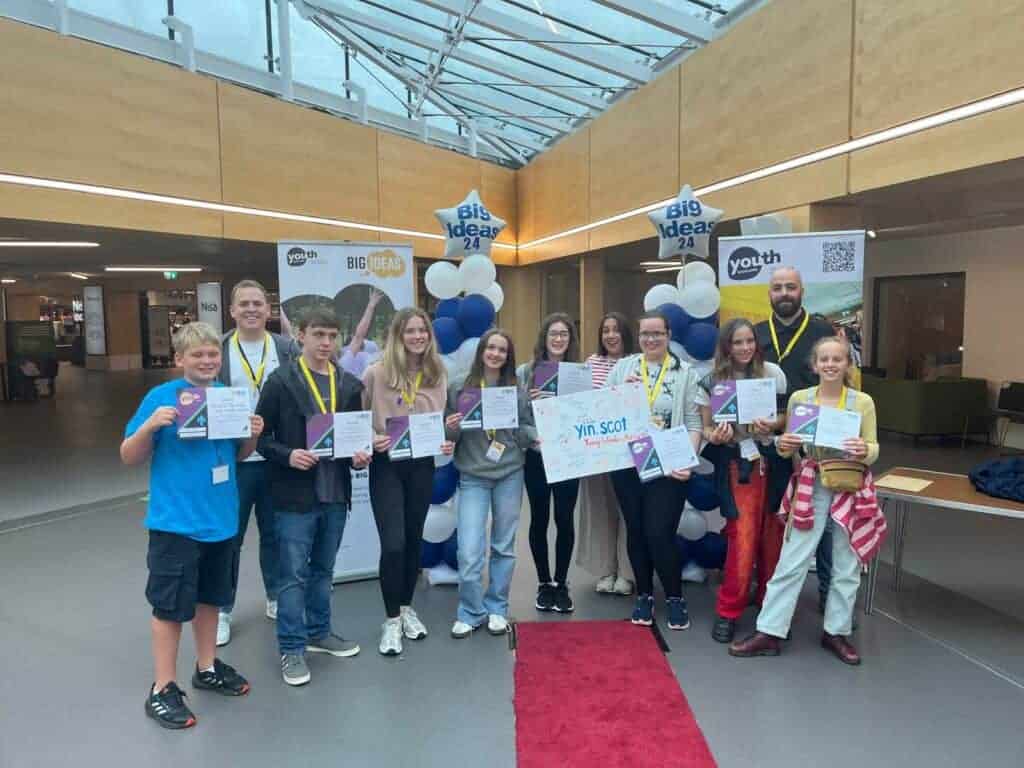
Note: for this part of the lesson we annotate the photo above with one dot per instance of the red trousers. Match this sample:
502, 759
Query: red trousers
754, 538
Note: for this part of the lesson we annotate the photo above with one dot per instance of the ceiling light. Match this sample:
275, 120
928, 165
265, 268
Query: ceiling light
872, 234
78, 276
8, 280
665, 269
153, 269
46, 244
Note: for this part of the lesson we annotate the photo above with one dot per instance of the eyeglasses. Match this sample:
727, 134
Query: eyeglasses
652, 335
558, 334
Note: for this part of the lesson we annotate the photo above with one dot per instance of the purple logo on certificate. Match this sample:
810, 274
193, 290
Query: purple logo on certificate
192, 419
545, 377
724, 402
803, 421
470, 404
397, 429
645, 459
320, 434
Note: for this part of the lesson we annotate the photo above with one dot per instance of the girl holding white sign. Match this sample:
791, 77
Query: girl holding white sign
752, 530
556, 342
408, 379
652, 510
830, 484
490, 464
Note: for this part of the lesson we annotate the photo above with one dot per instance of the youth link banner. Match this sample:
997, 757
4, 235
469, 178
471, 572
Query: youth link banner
831, 264
364, 283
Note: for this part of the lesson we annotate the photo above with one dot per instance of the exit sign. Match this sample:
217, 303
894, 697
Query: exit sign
170, 275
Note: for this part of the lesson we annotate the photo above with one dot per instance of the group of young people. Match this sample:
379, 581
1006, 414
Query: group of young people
203, 491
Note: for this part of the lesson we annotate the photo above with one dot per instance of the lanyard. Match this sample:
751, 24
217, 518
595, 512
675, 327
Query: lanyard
316, 390
652, 394
257, 377
410, 397
490, 432
842, 397
792, 342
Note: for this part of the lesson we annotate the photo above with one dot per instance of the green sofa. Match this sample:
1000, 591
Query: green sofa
930, 408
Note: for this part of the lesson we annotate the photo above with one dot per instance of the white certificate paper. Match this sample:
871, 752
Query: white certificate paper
674, 449
756, 399
836, 425
353, 433
500, 407
573, 378
228, 410
426, 433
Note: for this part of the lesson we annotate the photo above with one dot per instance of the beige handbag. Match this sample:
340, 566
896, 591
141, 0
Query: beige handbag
842, 474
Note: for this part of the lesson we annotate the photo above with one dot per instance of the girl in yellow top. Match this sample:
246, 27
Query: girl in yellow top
832, 360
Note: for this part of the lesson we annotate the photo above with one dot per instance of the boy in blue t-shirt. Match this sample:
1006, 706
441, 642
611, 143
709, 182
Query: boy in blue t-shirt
192, 520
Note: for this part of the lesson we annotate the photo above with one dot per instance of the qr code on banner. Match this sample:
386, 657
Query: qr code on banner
837, 256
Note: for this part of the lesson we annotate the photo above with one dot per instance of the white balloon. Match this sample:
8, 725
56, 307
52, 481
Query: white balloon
442, 280
692, 525
496, 296
451, 363
700, 299
440, 523
702, 368
714, 520
476, 273
662, 293
465, 353
679, 351
695, 272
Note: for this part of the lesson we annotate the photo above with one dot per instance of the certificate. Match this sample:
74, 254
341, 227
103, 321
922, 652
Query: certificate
836, 425
228, 410
660, 452
397, 429
500, 408
470, 404
426, 432
353, 433
574, 378
756, 399
803, 421
192, 419
724, 407
320, 435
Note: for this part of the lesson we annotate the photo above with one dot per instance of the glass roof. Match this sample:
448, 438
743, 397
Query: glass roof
517, 74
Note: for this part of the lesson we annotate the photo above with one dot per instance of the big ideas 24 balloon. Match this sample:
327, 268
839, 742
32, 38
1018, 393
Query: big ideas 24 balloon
684, 226
469, 227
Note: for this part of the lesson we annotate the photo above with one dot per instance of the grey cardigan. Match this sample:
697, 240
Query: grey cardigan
686, 392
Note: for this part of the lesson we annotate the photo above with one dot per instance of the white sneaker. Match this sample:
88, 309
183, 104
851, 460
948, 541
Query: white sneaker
497, 625
391, 637
461, 629
606, 584
223, 629
272, 610
411, 624
622, 586
694, 573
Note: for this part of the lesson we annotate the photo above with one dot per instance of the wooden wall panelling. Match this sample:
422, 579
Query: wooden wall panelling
498, 191
560, 186
79, 111
243, 227
775, 86
919, 57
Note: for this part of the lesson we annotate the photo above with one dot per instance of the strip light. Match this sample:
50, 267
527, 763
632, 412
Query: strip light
153, 269
45, 244
8, 281
78, 276
665, 269
991, 104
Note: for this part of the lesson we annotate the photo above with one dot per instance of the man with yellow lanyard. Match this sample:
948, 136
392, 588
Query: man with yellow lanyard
787, 338
250, 354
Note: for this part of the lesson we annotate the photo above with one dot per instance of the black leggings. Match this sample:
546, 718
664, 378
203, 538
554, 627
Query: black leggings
400, 493
652, 511
540, 492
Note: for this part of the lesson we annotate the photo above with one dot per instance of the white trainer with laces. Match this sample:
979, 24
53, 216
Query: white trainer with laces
497, 625
391, 637
411, 624
622, 586
223, 629
461, 629
605, 585
272, 610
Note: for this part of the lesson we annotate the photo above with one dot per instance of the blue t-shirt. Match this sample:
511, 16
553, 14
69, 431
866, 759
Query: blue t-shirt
182, 496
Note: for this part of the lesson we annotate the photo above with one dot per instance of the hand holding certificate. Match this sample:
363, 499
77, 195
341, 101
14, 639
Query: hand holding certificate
353, 433
559, 379
214, 413
743, 401
662, 452
416, 436
835, 427
500, 408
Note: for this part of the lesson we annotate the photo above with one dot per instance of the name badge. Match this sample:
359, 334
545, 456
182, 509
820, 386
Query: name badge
221, 474
495, 451
748, 450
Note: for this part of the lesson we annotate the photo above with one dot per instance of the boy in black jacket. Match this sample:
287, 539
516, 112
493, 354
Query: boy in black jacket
310, 494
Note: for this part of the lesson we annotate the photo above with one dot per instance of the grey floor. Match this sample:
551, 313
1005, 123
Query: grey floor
942, 683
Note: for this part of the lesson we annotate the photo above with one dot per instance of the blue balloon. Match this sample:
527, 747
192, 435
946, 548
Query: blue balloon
700, 340
707, 552
447, 308
432, 554
475, 315
451, 551
448, 334
678, 320
701, 492
446, 480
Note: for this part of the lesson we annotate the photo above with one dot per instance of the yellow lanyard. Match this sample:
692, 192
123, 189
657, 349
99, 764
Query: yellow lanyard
792, 342
410, 398
842, 397
652, 394
257, 377
316, 390
490, 432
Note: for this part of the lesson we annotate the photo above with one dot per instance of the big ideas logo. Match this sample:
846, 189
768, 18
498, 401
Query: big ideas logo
746, 263
384, 263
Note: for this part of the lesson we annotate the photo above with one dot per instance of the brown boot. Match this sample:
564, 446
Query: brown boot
841, 647
758, 644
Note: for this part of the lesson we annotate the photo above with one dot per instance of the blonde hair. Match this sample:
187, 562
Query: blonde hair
848, 375
195, 335
396, 367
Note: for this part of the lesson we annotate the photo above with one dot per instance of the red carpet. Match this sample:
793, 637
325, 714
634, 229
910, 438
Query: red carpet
600, 693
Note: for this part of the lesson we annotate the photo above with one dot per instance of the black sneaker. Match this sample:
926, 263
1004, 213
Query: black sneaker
168, 708
678, 615
545, 597
222, 679
563, 600
724, 630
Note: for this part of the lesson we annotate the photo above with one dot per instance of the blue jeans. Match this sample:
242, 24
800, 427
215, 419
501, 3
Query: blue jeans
503, 499
254, 491
308, 544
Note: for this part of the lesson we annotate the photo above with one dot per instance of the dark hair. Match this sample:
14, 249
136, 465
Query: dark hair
723, 352
540, 349
321, 317
624, 331
655, 314
507, 374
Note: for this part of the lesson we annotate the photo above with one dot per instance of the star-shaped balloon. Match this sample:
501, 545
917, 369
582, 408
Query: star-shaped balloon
684, 226
469, 227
